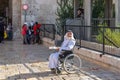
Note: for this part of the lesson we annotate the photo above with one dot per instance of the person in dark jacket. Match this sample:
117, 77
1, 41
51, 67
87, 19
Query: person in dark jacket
10, 31
1, 32
80, 13
28, 35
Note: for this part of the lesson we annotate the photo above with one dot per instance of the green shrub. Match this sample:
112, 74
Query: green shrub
112, 35
64, 11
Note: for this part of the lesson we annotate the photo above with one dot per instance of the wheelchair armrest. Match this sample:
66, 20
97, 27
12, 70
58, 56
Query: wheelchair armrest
65, 53
66, 50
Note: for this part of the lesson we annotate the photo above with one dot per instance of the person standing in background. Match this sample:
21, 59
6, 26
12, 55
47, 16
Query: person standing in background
28, 35
10, 31
80, 13
1, 31
24, 33
36, 29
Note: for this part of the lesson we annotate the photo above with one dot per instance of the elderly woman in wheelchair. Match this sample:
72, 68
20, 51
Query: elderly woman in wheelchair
64, 55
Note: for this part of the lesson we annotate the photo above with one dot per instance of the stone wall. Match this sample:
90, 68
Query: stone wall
16, 17
107, 61
96, 46
42, 11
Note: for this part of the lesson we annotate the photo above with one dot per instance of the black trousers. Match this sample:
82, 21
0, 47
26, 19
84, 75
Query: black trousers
1, 36
37, 38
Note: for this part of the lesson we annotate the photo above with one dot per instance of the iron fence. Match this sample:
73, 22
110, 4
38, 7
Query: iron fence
99, 38
103, 22
48, 30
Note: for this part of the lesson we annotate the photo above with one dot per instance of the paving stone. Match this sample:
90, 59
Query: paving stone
2, 76
30, 62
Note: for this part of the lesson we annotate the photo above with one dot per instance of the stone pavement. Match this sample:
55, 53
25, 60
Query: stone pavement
30, 62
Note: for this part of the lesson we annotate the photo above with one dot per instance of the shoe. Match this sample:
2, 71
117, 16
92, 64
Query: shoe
53, 70
58, 71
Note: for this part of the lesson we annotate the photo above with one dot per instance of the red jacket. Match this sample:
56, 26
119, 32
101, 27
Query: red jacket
36, 26
24, 30
35, 29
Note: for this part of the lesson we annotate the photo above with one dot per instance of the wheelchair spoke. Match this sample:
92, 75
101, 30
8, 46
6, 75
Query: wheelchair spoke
72, 63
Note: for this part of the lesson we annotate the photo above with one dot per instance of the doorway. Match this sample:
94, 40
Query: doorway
5, 11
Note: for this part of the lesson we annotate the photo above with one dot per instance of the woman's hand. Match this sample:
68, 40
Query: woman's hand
54, 48
58, 48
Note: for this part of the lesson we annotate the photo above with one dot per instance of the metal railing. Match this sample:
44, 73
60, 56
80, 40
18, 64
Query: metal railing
48, 30
103, 22
99, 38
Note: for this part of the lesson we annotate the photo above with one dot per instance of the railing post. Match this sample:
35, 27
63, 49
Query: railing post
103, 40
44, 30
54, 32
64, 29
80, 35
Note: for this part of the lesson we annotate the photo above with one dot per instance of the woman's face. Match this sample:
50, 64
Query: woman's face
69, 34
79, 12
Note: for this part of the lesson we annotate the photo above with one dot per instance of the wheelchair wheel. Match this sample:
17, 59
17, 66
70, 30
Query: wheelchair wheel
72, 64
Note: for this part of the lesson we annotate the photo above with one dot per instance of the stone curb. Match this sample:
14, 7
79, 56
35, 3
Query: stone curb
107, 61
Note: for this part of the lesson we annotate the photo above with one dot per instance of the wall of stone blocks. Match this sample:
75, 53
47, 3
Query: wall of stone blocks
99, 47
42, 11
16, 17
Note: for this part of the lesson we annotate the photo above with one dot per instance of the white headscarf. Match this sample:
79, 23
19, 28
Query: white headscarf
66, 37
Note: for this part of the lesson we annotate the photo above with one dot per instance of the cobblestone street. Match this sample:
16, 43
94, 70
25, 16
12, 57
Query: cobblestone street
30, 62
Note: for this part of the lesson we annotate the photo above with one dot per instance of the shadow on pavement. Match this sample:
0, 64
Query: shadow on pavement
30, 75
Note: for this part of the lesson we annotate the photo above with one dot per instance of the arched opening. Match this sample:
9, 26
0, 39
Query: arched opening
6, 11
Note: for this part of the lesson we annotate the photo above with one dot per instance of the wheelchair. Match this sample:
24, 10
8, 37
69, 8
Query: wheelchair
69, 62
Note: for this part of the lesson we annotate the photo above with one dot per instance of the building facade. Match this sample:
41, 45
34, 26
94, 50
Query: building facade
42, 11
